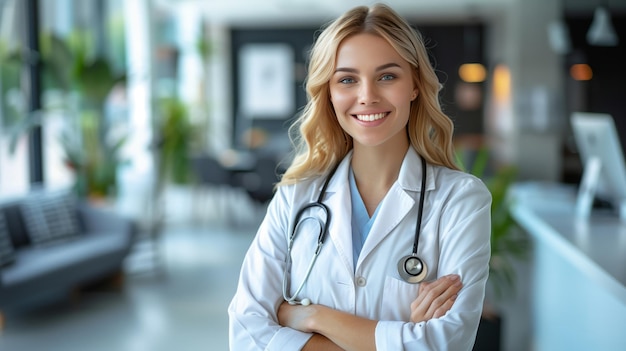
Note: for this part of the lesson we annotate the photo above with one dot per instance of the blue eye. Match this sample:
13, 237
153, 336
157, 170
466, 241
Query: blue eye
388, 77
346, 80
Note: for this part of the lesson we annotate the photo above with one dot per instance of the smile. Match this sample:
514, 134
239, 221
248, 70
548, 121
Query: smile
372, 117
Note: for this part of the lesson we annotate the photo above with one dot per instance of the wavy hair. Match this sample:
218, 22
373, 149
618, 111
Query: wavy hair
320, 142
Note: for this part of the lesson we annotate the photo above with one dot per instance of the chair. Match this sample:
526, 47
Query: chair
143, 201
259, 183
212, 181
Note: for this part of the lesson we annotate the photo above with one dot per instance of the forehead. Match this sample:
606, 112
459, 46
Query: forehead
366, 50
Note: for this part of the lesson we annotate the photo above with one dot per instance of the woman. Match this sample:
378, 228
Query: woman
376, 150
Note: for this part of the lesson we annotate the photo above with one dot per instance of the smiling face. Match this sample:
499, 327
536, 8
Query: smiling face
371, 91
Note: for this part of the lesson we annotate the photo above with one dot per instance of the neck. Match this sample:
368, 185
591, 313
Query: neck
378, 165
375, 170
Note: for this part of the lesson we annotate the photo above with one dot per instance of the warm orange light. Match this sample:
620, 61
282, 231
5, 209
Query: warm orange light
472, 72
501, 83
581, 71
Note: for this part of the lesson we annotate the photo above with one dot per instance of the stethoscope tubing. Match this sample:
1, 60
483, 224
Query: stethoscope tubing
320, 240
404, 273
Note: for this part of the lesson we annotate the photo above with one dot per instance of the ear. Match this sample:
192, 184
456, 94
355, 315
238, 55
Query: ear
415, 94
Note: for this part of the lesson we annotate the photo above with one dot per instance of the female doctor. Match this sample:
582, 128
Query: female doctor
374, 239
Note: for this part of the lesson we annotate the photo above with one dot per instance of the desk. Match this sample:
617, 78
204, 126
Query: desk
579, 278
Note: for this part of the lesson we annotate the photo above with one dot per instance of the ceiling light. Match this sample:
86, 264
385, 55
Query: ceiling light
601, 32
581, 71
472, 72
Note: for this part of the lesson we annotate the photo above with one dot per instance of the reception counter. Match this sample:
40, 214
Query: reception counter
579, 270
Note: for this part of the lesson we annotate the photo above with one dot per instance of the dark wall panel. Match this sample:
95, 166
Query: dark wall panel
447, 45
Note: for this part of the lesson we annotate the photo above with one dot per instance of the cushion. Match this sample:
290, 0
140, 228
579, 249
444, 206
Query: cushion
50, 216
7, 255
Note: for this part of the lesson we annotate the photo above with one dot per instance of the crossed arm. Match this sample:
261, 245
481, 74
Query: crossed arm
336, 330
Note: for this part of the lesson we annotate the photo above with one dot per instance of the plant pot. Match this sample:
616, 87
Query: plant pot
489, 334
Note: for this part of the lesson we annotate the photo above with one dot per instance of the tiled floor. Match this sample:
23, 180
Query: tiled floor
182, 309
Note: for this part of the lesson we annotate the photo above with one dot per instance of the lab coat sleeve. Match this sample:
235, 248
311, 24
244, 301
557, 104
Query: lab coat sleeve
464, 240
253, 323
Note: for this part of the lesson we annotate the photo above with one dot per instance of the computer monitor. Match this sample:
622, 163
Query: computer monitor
604, 174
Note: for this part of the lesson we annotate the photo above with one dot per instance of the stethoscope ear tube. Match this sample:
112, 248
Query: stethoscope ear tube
292, 300
323, 225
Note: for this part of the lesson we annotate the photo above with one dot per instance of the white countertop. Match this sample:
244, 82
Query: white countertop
597, 246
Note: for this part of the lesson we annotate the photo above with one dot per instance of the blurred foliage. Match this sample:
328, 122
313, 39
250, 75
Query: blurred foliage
117, 44
12, 106
508, 241
94, 162
92, 155
205, 49
70, 65
175, 136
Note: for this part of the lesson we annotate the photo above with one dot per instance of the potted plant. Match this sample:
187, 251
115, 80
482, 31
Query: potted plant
508, 244
175, 135
93, 160
92, 150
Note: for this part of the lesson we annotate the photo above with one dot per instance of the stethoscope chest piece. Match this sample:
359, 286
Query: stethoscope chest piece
412, 269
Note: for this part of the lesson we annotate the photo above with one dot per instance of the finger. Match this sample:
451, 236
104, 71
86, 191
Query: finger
428, 292
419, 315
445, 300
421, 292
440, 284
437, 295
424, 306
441, 311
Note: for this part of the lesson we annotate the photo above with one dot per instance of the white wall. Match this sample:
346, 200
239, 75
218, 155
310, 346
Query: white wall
527, 128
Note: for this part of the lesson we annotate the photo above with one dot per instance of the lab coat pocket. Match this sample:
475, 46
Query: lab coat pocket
397, 298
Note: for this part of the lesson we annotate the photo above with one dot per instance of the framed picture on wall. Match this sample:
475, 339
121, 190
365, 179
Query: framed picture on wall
266, 81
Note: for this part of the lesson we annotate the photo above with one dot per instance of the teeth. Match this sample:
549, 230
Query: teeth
369, 118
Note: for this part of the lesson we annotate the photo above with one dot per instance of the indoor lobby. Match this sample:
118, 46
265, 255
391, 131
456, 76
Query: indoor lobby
140, 142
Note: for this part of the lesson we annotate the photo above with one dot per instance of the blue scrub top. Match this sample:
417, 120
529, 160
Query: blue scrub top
361, 221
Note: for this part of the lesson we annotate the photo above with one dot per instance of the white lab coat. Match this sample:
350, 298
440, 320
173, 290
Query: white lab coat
455, 239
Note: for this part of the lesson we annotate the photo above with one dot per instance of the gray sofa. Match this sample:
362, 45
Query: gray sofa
52, 243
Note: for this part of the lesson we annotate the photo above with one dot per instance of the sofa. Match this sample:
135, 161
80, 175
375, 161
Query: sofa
52, 243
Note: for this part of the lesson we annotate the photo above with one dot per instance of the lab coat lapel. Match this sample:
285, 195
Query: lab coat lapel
396, 205
338, 201
394, 208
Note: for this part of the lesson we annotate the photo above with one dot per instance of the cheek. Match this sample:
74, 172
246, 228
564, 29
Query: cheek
404, 99
340, 100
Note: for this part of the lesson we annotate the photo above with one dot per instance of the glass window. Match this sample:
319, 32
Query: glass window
14, 150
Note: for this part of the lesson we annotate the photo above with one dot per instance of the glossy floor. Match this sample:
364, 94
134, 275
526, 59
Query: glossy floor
182, 309
185, 307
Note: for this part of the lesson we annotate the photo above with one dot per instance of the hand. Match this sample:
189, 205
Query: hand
436, 298
296, 316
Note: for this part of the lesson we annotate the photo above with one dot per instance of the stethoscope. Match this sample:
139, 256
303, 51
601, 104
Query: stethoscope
411, 268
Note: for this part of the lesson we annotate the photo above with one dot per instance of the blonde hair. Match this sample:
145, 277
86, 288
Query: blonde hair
321, 142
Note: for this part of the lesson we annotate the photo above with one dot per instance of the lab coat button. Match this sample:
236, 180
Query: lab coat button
360, 281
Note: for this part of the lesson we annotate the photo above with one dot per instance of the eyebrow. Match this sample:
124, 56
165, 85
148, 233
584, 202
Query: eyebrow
379, 68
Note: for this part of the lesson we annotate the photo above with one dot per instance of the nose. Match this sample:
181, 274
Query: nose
368, 93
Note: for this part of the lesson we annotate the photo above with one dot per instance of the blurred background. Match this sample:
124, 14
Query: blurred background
174, 114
